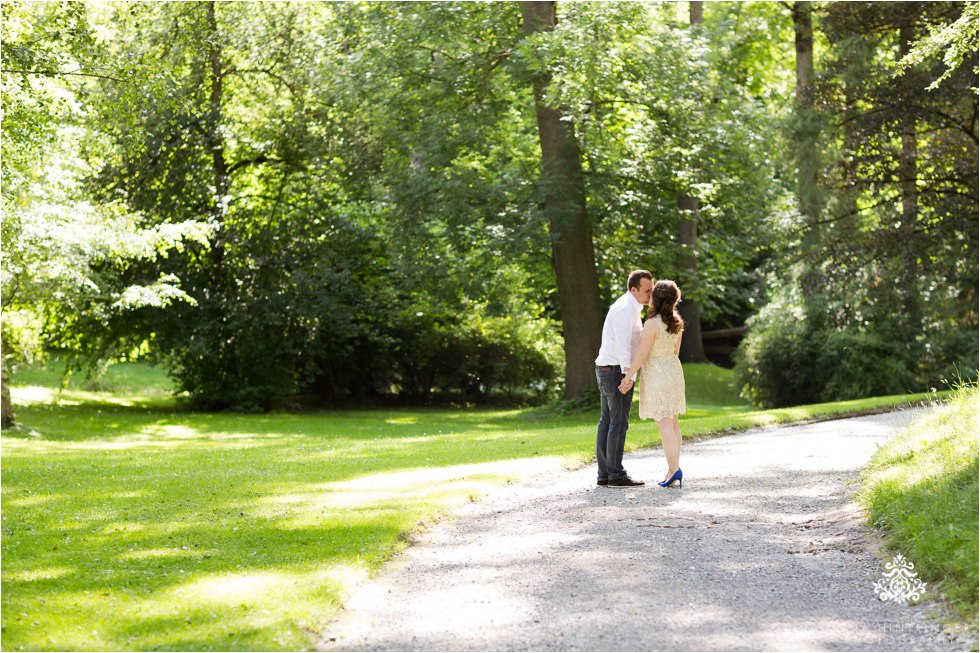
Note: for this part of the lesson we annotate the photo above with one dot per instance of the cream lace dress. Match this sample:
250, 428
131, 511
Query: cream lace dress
661, 377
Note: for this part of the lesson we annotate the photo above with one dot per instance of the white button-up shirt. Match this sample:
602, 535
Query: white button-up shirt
621, 333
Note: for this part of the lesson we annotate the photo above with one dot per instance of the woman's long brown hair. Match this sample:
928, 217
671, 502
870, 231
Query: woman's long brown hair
666, 296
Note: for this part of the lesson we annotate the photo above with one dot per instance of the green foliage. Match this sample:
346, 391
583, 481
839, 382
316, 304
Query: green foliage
63, 254
955, 42
900, 235
660, 115
346, 207
775, 363
862, 364
359, 164
789, 359
38, 41
467, 358
921, 488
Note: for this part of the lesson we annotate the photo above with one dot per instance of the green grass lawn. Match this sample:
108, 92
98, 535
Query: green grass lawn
921, 489
131, 525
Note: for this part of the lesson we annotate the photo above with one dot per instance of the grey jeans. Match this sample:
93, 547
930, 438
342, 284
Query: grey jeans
614, 420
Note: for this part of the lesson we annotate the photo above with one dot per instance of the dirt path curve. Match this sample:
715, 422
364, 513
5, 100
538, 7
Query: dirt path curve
762, 549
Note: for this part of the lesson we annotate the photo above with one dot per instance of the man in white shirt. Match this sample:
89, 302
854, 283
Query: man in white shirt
620, 339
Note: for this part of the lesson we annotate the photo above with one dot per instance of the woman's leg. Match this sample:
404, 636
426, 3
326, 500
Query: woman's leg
674, 455
670, 437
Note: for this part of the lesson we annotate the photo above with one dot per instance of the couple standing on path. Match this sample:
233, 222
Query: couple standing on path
627, 346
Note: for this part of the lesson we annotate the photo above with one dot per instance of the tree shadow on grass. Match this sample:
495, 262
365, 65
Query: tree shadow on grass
180, 579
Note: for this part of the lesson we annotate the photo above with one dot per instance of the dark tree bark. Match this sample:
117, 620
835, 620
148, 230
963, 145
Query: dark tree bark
807, 130
907, 174
563, 200
692, 347
6, 407
216, 140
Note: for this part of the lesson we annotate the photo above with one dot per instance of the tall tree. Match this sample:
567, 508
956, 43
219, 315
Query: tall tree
907, 173
563, 201
692, 347
910, 147
806, 123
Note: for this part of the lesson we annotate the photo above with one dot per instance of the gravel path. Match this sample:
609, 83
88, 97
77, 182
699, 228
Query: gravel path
762, 549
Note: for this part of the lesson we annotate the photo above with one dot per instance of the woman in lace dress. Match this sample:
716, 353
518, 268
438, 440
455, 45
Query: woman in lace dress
662, 377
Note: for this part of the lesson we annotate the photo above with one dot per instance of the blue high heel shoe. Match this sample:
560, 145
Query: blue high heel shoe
678, 476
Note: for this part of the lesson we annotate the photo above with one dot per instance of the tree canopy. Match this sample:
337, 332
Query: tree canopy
309, 203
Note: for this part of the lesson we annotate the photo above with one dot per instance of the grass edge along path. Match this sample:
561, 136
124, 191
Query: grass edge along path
123, 540
722, 425
921, 491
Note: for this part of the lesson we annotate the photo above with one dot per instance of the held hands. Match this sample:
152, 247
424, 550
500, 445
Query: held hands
626, 383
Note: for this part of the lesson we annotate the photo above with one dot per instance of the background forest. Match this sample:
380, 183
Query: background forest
332, 203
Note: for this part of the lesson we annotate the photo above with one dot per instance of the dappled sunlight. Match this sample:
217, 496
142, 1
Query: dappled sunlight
394, 481
510, 607
164, 432
171, 552
306, 505
32, 395
168, 432
41, 573
232, 588
180, 529
35, 500
237, 588
405, 419
133, 494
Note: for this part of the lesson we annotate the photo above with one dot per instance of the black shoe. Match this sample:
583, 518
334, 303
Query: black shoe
602, 482
626, 481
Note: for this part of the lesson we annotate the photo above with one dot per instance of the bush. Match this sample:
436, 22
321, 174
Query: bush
776, 364
785, 361
950, 356
857, 365
442, 354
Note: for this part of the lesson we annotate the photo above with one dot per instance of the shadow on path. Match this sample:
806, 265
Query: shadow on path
762, 549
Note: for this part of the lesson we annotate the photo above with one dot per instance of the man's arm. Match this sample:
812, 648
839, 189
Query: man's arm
623, 338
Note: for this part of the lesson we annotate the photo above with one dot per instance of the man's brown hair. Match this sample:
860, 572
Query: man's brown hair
635, 276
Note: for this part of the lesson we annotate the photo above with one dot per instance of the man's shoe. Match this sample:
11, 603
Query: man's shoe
602, 482
626, 481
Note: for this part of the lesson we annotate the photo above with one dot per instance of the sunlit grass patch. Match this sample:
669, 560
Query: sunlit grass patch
921, 487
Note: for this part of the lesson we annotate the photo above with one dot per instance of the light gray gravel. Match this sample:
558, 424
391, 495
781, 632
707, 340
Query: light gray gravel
762, 549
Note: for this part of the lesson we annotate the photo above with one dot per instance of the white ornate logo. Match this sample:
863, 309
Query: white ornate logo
900, 583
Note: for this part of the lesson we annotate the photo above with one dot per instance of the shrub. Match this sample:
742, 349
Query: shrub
786, 360
856, 365
443, 354
776, 365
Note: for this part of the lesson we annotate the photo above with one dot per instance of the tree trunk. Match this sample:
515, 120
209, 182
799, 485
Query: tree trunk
847, 164
563, 200
807, 127
692, 347
6, 407
216, 140
907, 174
696, 10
